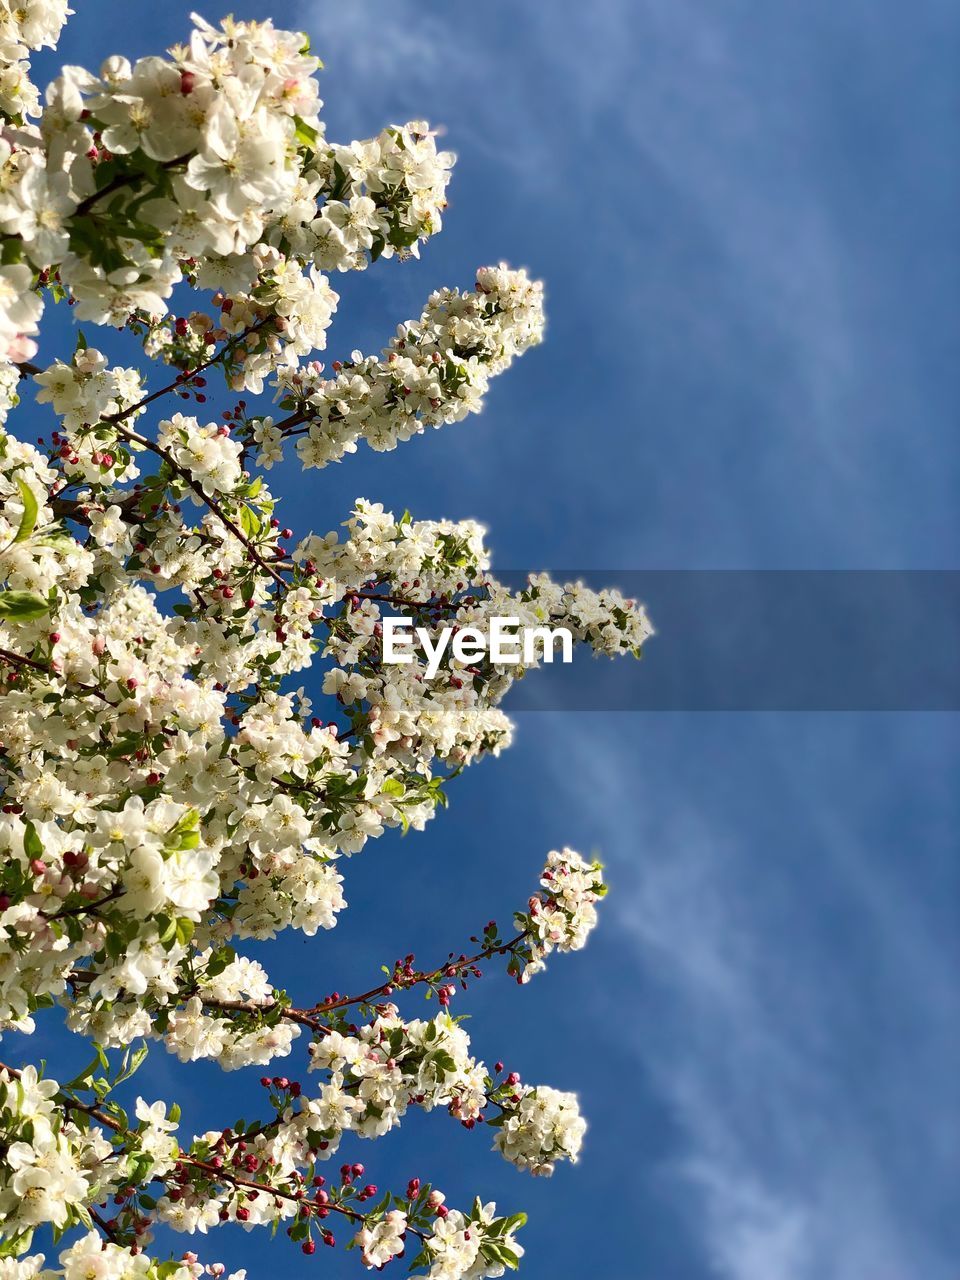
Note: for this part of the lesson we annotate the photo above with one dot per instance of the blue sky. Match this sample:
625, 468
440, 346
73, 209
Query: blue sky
745, 215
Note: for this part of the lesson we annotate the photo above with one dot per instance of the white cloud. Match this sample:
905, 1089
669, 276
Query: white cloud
385, 47
699, 113
390, 60
798, 1168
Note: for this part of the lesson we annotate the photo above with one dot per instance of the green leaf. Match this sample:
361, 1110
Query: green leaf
131, 1064
497, 1252
17, 1244
249, 522
28, 521
219, 961
306, 135
22, 606
146, 164
105, 173
82, 1081
166, 931
32, 844
11, 250
444, 1061
138, 1169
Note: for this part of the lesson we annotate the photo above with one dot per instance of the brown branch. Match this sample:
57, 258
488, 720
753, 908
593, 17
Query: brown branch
74, 509
89, 908
311, 1017
185, 379
104, 1226
251, 1006
74, 1104
146, 443
434, 975
224, 1175
307, 1017
121, 181
18, 660
215, 1174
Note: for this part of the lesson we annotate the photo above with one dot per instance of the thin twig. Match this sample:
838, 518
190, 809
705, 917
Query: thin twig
146, 443
121, 181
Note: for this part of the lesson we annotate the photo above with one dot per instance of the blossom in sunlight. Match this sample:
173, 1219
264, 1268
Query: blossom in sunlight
174, 786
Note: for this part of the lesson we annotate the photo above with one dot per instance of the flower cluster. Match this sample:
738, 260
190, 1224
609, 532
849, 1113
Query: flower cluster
210, 166
169, 789
25, 25
435, 371
86, 391
20, 310
562, 915
382, 197
55, 1168
545, 1126
50, 1166
91, 1256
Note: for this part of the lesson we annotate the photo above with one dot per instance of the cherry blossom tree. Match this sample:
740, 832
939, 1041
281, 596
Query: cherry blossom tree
168, 790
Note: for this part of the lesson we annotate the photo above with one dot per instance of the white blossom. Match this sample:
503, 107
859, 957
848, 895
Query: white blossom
170, 790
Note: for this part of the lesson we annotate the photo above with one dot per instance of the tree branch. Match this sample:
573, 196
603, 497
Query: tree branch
121, 181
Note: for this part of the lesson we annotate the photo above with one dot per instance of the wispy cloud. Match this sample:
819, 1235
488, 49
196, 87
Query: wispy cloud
397, 60
803, 1031
799, 1167
387, 49
722, 121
